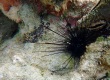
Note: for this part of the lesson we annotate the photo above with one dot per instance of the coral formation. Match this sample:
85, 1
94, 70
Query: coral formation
10, 8
9, 3
51, 7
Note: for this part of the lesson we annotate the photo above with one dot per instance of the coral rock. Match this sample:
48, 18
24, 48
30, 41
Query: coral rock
8, 3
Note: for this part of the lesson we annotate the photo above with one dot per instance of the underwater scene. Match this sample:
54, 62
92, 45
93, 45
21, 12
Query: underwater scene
54, 39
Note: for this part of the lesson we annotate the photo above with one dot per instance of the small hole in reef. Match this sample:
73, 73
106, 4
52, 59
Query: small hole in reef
8, 28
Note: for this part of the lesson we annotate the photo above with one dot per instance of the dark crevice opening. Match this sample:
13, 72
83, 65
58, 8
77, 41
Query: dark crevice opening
15, 30
8, 28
